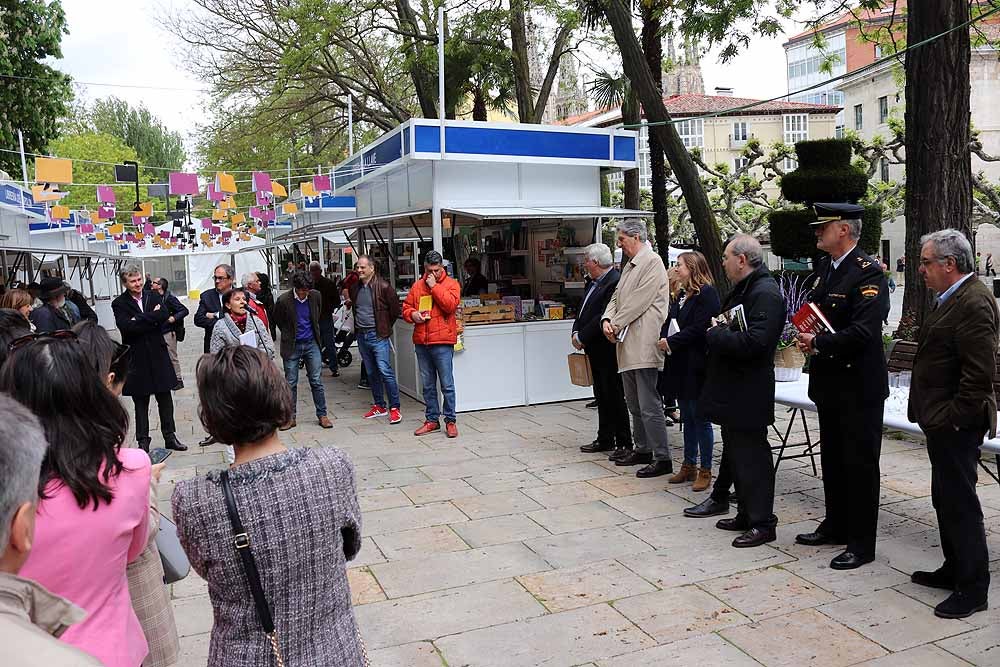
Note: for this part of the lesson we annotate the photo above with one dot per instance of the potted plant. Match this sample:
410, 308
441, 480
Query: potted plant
788, 359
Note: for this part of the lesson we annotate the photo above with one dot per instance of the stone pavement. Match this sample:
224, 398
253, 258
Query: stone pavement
509, 547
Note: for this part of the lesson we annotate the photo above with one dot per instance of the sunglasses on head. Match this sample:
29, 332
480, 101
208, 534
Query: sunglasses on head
63, 334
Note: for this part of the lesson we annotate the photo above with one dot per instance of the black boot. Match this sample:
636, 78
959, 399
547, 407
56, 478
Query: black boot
144, 444
173, 443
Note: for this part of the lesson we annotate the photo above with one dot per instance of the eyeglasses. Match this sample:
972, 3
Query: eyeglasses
218, 278
18, 343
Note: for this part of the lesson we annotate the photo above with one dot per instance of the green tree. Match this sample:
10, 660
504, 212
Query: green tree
137, 127
33, 95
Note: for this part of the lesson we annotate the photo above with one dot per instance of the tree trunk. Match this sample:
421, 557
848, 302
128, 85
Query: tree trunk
938, 165
685, 170
479, 105
522, 68
562, 38
652, 46
631, 116
423, 81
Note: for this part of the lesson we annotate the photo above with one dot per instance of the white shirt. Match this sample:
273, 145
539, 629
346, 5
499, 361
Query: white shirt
836, 262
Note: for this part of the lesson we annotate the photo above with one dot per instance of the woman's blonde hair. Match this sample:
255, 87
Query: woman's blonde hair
697, 266
15, 299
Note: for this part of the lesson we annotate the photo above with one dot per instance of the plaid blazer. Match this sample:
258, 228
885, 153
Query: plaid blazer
151, 599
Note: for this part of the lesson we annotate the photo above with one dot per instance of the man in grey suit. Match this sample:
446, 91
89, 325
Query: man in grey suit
297, 314
952, 399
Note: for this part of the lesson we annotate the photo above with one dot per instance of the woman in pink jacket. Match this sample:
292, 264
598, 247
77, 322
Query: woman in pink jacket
92, 517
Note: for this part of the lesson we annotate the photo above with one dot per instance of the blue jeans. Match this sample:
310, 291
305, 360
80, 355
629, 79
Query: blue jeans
376, 354
308, 350
326, 334
698, 435
435, 363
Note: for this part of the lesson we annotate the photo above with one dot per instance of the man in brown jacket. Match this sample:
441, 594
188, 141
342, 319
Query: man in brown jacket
952, 399
31, 618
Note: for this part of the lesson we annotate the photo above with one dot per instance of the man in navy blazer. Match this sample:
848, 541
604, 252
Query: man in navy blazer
210, 308
613, 430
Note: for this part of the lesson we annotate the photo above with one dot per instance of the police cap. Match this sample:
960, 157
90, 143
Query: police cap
836, 212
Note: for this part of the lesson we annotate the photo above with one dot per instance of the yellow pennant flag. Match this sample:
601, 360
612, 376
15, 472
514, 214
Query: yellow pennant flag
290, 208
239, 219
145, 210
116, 229
53, 170
59, 212
225, 182
100, 236
278, 190
309, 190
219, 214
39, 194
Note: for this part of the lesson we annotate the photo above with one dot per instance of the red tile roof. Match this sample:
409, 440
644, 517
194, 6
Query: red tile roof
695, 105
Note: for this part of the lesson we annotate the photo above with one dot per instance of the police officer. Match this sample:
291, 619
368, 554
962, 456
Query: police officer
848, 383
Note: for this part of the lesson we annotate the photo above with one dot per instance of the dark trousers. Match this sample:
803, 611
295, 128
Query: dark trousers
165, 405
749, 463
954, 456
723, 478
851, 437
612, 414
208, 339
327, 335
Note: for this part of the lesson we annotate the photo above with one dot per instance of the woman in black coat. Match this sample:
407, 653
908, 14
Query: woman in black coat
685, 343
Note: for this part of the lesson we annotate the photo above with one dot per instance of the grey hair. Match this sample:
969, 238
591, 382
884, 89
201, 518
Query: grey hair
230, 271
250, 277
21, 455
951, 243
131, 270
854, 229
600, 254
315, 264
634, 227
748, 246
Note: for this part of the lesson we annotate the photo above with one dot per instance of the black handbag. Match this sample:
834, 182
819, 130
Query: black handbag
241, 541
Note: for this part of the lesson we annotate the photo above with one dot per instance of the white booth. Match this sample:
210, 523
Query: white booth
523, 199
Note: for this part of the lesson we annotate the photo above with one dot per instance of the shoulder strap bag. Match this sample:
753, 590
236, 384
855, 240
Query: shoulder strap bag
242, 543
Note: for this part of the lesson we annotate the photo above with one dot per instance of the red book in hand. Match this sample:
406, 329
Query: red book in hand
810, 319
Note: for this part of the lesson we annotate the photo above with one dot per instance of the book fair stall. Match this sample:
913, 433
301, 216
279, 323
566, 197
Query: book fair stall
523, 200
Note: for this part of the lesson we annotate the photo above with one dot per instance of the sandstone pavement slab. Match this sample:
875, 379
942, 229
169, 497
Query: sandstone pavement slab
573, 587
678, 613
708, 650
586, 546
498, 530
418, 654
771, 592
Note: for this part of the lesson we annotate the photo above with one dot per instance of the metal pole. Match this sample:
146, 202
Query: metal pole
350, 124
441, 111
24, 167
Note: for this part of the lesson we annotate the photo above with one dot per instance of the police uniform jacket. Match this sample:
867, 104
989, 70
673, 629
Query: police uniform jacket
850, 363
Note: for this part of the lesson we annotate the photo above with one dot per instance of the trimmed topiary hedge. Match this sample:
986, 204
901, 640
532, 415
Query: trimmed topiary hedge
823, 153
808, 186
792, 236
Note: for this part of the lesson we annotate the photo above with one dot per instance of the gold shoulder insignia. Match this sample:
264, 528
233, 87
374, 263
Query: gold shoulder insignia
864, 262
869, 291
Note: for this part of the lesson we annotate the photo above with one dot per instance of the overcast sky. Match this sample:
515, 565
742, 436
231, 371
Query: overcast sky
123, 44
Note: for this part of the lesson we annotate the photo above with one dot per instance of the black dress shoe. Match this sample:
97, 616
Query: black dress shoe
179, 385
849, 561
706, 508
618, 453
144, 444
595, 446
736, 523
755, 537
655, 469
635, 458
817, 538
173, 443
335, 372
936, 579
960, 605
593, 404
209, 440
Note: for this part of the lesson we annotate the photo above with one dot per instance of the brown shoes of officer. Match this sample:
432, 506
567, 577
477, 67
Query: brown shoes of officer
703, 480
687, 473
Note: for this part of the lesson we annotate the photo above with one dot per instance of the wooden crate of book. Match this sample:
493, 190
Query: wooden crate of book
488, 314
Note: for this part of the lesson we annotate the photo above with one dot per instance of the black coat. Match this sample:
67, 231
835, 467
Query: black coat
149, 371
739, 381
47, 319
179, 311
851, 362
210, 302
688, 351
86, 312
587, 325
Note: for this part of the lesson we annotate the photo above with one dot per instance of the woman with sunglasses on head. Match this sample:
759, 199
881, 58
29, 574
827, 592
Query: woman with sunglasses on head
150, 597
93, 513
21, 301
238, 321
299, 514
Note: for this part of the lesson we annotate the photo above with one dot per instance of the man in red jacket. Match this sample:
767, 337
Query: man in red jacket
435, 333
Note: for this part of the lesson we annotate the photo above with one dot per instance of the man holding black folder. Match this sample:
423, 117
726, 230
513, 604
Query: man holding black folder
848, 383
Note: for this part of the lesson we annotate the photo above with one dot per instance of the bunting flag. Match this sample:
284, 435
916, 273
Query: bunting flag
53, 170
322, 183
278, 189
261, 181
106, 195
308, 190
183, 183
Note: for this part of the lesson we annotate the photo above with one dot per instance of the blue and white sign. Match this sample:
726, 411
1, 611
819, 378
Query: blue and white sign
11, 197
328, 203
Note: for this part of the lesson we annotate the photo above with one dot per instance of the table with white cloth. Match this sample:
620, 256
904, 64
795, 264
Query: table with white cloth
795, 396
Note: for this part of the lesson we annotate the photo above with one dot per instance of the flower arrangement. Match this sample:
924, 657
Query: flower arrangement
794, 296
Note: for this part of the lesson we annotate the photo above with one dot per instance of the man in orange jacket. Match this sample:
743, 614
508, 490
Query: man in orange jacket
435, 333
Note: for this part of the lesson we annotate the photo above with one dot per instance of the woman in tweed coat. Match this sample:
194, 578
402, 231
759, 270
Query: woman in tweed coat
300, 510
237, 321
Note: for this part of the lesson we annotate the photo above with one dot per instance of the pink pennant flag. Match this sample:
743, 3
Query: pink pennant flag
105, 194
263, 198
183, 183
255, 212
267, 215
130, 238
87, 228
263, 224
148, 228
261, 181
214, 195
165, 234
106, 212
138, 220
215, 230
321, 183
206, 223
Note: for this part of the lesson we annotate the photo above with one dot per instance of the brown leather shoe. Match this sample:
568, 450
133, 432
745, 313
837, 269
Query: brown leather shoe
703, 480
687, 473
325, 422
